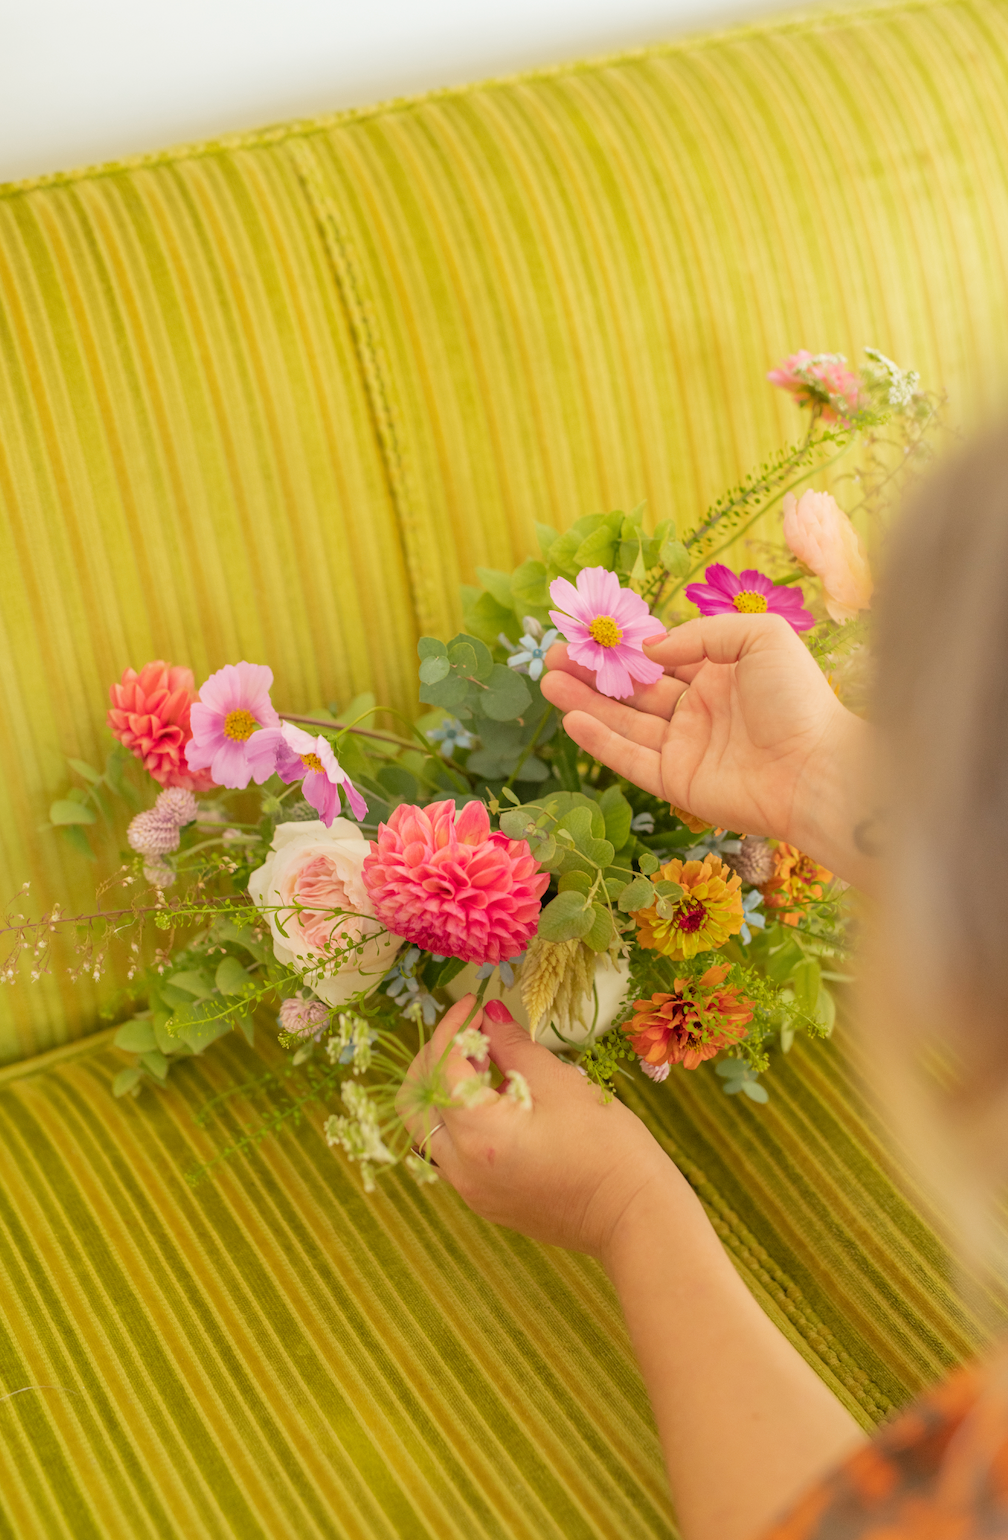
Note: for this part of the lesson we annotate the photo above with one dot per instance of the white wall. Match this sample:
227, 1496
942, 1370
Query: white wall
83, 81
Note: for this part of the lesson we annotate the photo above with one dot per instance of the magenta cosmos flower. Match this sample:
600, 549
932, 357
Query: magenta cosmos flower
748, 593
233, 704
606, 627
293, 754
450, 886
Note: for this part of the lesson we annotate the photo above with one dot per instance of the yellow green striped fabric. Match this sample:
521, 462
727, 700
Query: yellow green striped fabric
272, 1353
276, 397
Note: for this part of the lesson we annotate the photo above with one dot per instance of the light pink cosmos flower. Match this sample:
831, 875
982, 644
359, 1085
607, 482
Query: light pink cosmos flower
606, 627
823, 381
450, 886
233, 704
822, 537
748, 593
293, 753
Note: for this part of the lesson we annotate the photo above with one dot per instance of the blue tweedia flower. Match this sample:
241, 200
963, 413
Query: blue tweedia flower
404, 988
451, 735
506, 970
643, 823
711, 844
754, 918
529, 657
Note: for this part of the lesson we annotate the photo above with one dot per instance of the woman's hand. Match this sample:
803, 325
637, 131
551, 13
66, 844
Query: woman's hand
566, 1170
743, 731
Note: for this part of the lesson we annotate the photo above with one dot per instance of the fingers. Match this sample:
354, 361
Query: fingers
636, 761
722, 639
569, 694
437, 1069
570, 687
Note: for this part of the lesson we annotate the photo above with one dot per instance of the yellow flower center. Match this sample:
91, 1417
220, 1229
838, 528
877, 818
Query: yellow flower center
605, 631
239, 725
749, 603
312, 762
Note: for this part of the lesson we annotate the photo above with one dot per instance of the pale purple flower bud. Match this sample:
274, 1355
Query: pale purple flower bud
303, 1018
152, 835
655, 1072
176, 805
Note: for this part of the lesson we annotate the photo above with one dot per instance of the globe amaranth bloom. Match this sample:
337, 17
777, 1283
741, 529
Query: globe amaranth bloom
446, 883
709, 911
150, 715
693, 1023
606, 627
797, 880
233, 704
822, 537
296, 756
823, 381
748, 593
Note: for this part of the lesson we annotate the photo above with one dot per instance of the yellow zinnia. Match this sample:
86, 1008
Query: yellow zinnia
709, 911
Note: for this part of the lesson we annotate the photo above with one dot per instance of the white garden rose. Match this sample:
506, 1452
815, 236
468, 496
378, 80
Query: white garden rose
320, 869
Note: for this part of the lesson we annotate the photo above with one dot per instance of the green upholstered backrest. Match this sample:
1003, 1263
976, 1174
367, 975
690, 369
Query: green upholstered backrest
276, 397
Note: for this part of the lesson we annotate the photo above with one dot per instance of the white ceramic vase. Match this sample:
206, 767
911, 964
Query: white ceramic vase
610, 989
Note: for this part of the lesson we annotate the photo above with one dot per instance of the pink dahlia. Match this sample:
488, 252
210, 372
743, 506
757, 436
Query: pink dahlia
822, 381
450, 886
293, 754
150, 715
233, 704
606, 627
748, 593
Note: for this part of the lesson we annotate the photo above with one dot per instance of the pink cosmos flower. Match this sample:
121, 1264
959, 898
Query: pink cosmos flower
822, 537
450, 886
150, 715
822, 381
232, 705
606, 627
748, 593
293, 754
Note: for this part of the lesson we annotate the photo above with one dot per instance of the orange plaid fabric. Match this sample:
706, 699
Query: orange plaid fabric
939, 1472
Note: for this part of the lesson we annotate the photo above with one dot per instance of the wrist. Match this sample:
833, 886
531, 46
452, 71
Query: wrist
662, 1205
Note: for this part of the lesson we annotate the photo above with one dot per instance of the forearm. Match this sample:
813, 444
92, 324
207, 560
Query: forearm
745, 1423
831, 816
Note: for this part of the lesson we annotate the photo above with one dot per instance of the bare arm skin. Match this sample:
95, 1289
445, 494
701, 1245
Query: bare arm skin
745, 1424
743, 731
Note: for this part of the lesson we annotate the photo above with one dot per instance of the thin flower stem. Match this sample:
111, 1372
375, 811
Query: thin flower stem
336, 727
535, 739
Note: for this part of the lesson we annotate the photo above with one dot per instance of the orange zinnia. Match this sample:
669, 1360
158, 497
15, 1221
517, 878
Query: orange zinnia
692, 1024
796, 881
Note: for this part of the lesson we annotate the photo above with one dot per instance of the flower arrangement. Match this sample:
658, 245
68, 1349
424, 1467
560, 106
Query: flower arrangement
342, 879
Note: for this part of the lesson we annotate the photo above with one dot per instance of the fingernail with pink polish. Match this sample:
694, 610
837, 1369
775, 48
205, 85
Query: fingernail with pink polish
497, 1010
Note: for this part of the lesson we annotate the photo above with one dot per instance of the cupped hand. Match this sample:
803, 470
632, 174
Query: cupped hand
565, 1170
736, 732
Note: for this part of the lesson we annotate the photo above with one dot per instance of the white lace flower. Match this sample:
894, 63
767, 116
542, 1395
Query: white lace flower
471, 1043
474, 1090
518, 1089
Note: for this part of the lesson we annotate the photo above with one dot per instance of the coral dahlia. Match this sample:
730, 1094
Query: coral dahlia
709, 911
233, 704
150, 715
797, 880
692, 1024
606, 627
748, 593
448, 885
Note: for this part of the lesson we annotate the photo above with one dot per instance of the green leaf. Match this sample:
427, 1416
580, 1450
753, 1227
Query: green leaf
545, 534
83, 768
437, 975
579, 823
516, 821
228, 930
68, 810
135, 1036
164, 1040
231, 978
638, 894
543, 846
528, 587
755, 1091
486, 619
482, 667
509, 796
561, 556
575, 882
193, 981
247, 1026
506, 696
617, 813
825, 1009
155, 1064
534, 769
401, 783
450, 692
433, 670
462, 658
675, 557
670, 890
597, 551
75, 836
497, 584
566, 918
125, 1081
599, 938
780, 963
430, 647
805, 983
649, 862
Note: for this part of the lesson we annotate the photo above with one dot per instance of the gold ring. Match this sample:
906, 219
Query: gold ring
418, 1149
679, 701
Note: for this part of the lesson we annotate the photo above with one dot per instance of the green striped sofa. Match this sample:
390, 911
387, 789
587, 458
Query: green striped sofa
276, 397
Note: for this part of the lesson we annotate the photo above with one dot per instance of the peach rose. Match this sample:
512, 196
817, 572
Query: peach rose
319, 868
823, 538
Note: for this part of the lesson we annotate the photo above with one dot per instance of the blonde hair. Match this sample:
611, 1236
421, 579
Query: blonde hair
935, 1011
